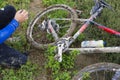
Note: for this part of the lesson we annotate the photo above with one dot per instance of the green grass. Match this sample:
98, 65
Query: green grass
60, 70
108, 18
52, 2
26, 72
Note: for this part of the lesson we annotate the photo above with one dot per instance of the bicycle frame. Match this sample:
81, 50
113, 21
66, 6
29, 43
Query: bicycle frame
64, 43
87, 23
90, 20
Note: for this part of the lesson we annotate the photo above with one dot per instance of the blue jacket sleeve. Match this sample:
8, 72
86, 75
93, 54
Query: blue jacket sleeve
6, 32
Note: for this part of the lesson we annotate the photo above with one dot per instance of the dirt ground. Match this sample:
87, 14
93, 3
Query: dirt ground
36, 6
37, 56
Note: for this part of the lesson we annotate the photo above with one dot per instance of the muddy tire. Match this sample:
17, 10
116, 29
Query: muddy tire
32, 24
92, 70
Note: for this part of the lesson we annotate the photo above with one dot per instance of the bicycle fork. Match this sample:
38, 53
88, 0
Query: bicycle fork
59, 55
62, 46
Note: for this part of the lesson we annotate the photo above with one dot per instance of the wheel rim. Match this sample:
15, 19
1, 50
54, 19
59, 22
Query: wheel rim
99, 71
39, 16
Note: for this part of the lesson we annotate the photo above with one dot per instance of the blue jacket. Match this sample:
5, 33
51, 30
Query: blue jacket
6, 32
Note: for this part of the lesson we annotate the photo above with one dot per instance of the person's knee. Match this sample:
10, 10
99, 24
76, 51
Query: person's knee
17, 61
21, 60
24, 59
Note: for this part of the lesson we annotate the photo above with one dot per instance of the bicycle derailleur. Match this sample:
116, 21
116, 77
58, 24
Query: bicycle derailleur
44, 26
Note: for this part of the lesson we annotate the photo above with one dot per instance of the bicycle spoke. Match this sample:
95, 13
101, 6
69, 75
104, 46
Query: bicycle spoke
97, 75
69, 19
99, 71
104, 75
58, 15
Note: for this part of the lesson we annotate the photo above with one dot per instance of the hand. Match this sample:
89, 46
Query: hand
21, 16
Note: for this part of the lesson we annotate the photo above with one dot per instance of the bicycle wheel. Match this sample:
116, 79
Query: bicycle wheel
99, 71
65, 19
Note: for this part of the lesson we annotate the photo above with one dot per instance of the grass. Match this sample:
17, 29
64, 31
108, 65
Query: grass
108, 18
30, 70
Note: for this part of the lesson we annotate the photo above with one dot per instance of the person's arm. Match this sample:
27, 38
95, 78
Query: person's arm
6, 32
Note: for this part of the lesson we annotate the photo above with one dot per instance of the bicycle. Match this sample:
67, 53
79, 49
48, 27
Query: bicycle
49, 26
63, 43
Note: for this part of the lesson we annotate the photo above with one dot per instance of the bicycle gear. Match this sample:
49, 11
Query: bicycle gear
43, 26
54, 25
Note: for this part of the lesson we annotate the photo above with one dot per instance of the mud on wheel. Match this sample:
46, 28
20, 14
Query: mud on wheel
99, 71
65, 19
